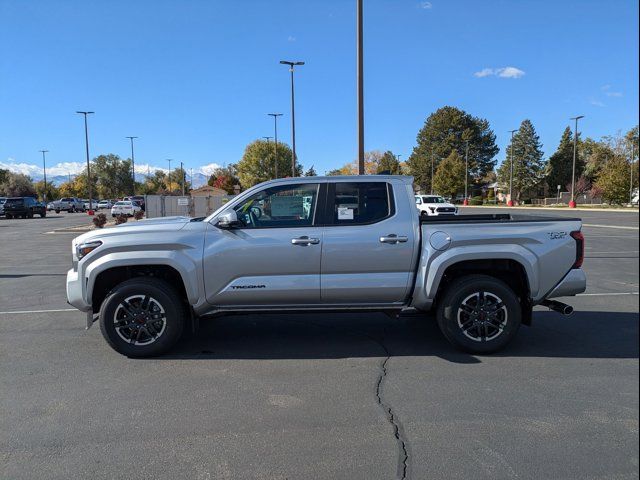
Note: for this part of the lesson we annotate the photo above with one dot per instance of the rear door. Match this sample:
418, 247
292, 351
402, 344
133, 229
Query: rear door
367, 253
273, 257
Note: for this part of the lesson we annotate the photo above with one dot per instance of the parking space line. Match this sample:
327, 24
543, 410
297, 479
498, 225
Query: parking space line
610, 226
41, 311
606, 294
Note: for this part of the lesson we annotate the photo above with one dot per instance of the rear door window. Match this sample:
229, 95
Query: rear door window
359, 203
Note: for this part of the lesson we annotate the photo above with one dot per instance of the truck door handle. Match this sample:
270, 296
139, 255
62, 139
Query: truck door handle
304, 241
393, 239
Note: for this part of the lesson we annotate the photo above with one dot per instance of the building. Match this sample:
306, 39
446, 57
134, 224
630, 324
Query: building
208, 191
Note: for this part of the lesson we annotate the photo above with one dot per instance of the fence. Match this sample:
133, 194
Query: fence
198, 206
565, 197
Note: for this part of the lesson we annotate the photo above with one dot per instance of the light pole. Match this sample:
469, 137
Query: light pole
169, 176
133, 165
182, 175
633, 156
275, 136
86, 140
466, 174
293, 116
360, 84
572, 202
510, 202
44, 170
432, 167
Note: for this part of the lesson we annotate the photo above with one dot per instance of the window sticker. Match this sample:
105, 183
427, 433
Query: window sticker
282, 206
345, 213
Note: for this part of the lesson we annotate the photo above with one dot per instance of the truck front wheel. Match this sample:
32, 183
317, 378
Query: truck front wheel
142, 317
479, 314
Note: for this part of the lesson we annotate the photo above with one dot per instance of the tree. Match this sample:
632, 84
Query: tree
259, 160
389, 163
528, 166
448, 179
613, 181
372, 161
448, 129
175, 179
225, 178
560, 165
595, 154
113, 177
155, 183
68, 189
311, 172
16, 185
51, 192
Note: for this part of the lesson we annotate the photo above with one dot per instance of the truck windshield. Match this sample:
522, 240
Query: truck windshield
433, 200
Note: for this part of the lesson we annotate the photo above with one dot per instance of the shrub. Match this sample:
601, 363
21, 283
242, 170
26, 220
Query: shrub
139, 215
121, 219
475, 200
100, 220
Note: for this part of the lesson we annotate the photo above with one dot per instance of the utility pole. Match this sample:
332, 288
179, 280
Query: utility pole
182, 175
293, 116
275, 136
633, 156
572, 202
133, 166
86, 140
510, 202
169, 176
360, 84
431, 171
466, 174
44, 170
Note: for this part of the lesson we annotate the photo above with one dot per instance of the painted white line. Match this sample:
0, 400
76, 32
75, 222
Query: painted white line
610, 226
41, 311
609, 294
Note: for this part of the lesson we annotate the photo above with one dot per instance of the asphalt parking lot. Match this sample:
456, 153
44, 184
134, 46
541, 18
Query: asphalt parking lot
306, 396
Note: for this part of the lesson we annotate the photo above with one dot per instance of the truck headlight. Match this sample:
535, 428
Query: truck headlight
85, 248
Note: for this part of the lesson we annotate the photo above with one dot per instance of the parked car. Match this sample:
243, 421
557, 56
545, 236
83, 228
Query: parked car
139, 199
263, 251
2, 200
127, 208
94, 204
68, 204
25, 207
105, 204
434, 205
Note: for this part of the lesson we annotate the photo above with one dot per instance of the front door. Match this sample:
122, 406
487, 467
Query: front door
367, 250
273, 258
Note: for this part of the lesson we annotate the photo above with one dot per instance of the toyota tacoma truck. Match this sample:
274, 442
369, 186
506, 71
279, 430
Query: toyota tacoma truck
325, 244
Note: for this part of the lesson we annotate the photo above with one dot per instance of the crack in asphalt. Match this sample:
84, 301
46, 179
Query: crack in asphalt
398, 432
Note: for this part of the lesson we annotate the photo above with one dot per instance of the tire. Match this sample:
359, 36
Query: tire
164, 300
30, 214
9, 217
43, 214
57, 211
473, 326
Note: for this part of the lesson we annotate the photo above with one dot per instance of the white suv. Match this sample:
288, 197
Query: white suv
434, 205
128, 208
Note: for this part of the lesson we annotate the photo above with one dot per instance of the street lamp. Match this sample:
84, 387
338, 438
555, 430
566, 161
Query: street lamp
293, 116
572, 202
169, 175
44, 170
510, 202
182, 175
86, 140
360, 84
133, 165
432, 167
633, 156
275, 136
466, 174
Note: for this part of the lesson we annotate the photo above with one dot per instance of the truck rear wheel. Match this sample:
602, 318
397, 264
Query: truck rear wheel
479, 314
142, 317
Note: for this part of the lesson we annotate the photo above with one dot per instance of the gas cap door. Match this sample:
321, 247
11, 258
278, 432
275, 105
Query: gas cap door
440, 240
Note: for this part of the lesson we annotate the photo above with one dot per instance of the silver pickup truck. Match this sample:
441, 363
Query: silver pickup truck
325, 243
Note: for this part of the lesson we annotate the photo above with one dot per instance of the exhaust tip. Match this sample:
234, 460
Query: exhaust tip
567, 310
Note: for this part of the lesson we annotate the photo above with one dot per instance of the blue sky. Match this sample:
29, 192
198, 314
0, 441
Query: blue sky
195, 79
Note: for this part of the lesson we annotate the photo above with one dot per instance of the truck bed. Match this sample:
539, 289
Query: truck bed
492, 218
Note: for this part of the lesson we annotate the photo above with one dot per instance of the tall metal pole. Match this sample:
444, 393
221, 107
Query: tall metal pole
293, 116
360, 85
182, 175
44, 170
86, 140
169, 176
510, 202
275, 136
432, 166
133, 166
633, 156
572, 202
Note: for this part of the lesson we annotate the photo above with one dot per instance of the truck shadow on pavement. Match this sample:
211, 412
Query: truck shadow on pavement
586, 334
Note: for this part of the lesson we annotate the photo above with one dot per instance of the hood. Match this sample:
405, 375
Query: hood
154, 225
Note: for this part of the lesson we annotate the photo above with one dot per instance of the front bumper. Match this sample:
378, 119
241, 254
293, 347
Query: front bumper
573, 283
75, 291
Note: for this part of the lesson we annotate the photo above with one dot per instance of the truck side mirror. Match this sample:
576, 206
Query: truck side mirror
228, 220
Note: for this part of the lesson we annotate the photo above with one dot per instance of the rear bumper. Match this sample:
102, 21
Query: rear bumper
573, 283
75, 291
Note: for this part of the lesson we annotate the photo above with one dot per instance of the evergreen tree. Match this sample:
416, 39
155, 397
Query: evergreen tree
311, 172
389, 163
448, 129
448, 179
528, 166
560, 165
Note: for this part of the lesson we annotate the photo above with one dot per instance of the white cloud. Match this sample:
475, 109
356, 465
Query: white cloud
63, 168
426, 5
503, 72
291, 38
596, 103
610, 93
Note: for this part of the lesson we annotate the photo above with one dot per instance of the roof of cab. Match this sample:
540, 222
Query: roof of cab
343, 178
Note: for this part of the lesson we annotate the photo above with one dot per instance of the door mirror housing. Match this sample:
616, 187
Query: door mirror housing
228, 220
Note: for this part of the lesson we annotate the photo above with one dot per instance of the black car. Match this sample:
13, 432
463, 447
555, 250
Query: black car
25, 207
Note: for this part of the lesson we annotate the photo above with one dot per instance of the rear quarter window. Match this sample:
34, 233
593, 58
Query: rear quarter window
359, 203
